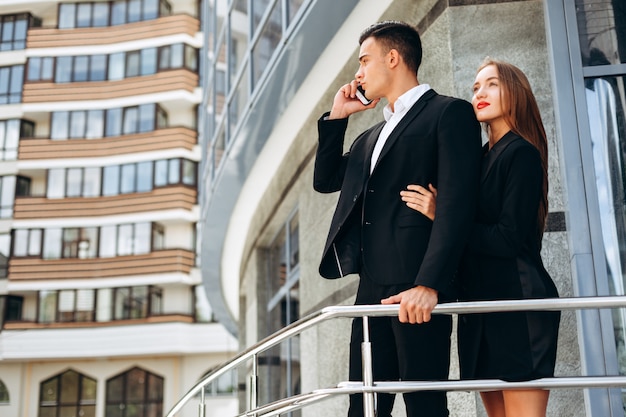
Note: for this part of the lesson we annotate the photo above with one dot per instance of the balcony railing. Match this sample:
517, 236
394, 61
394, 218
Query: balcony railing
368, 387
156, 140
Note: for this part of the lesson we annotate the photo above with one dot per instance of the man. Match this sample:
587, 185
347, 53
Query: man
400, 255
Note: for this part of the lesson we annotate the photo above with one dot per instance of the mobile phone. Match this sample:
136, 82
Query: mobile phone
360, 94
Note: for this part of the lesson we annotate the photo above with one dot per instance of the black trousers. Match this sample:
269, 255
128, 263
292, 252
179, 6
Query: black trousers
400, 351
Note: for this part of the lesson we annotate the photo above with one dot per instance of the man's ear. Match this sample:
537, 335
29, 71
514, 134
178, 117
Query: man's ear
393, 58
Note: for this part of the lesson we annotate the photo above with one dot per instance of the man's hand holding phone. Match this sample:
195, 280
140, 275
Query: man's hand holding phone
347, 101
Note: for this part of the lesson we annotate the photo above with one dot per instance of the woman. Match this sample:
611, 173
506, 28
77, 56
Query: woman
502, 258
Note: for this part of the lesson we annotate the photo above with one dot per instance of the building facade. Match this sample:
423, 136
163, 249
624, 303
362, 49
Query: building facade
103, 312
274, 67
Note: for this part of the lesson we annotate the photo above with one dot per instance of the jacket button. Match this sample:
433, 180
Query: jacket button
355, 198
367, 223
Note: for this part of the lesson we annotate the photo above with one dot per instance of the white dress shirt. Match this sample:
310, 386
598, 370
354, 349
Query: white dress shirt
401, 107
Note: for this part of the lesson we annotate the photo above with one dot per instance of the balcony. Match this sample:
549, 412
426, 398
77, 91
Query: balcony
170, 80
164, 26
170, 138
115, 341
157, 262
166, 198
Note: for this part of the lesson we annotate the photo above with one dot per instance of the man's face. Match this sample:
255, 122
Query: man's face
373, 72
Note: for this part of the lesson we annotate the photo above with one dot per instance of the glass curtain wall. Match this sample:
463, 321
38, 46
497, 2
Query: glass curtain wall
243, 44
602, 38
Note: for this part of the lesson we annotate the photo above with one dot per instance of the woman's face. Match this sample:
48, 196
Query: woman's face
487, 99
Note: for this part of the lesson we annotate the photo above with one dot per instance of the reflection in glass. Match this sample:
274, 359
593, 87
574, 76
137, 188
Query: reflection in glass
602, 27
605, 104
267, 43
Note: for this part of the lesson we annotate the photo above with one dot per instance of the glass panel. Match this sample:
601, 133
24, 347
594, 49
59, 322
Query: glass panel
5, 250
78, 121
118, 12
117, 65
173, 175
98, 67
88, 243
111, 180
81, 68
114, 122
7, 33
63, 73
34, 242
52, 243
56, 183
67, 13
89, 385
160, 173
191, 58
49, 390
108, 241
91, 182
267, 43
60, 125
131, 120
47, 307
134, 11
95, 124
17, 82
258, 9
148, 61
125, 239
136, 386
100, 14
144, 176
602, 31
20, 243
294, 7
150, 9
146, 117
34, 69
69, 386
74, 182
85, 304
12, 138
178, 56
47, 68
140, 302
605, 102
67, 299
83, 15
129, 178
115, 386
142, 240
133, 63
238, 103
189, 172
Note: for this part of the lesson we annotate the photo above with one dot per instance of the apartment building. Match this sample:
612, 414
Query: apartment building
103, 311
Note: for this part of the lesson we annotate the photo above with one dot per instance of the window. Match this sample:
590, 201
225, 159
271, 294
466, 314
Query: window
99, 14
13, 30
5, 250
40, 69
134, 393
121, 65
10, 133
7, 196
224, 385
139, 177
267, 43
4, 393
282, 363
96, 124
14, 305
11, 81
27, 242
68, 394
126, 239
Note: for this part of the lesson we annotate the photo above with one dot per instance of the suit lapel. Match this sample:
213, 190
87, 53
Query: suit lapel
491, 156
406, 120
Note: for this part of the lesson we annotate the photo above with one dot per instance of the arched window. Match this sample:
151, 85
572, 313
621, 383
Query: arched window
67, 394
134, 393
4, 393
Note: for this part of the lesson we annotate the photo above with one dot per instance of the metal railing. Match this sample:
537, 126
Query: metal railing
368, 387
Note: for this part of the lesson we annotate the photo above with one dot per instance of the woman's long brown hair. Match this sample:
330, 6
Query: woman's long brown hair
521, 113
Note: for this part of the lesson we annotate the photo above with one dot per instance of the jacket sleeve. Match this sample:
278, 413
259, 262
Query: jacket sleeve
458, 177
330, 163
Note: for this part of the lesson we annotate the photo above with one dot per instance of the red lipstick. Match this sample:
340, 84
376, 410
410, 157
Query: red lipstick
482, 105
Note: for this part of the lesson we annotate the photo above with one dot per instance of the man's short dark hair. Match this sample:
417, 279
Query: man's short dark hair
393, 34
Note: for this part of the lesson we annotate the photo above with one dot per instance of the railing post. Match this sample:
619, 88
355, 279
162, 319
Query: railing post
254, 384
369, 398
202, 405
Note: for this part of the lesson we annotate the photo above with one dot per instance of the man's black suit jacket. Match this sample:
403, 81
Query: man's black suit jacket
373, 231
